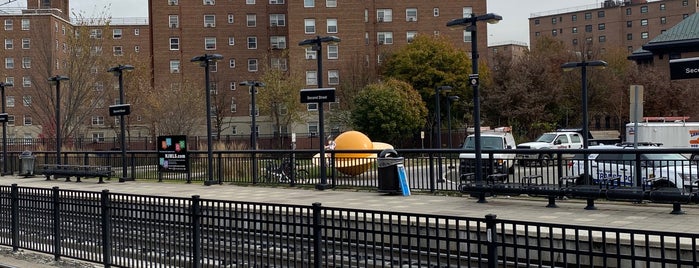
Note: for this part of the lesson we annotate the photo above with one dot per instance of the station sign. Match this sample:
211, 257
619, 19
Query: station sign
684, 68
317, 95
120, 109
3, 117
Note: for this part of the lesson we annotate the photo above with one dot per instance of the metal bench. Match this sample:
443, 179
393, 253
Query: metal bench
77, 171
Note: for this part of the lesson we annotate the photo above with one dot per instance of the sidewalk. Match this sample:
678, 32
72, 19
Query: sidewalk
626, 215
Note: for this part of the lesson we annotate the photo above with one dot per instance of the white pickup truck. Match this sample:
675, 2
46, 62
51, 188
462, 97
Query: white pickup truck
496, 139
549, 140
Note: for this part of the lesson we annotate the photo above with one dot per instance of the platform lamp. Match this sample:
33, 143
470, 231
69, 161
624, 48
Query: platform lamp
118, 71
3, 118
317, 45
57, 81
569, 66
205, 61
470, 24
253, 133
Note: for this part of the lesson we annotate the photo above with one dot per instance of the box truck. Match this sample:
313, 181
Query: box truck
677, 134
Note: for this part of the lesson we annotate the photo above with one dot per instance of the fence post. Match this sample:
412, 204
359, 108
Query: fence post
219, 170
56, 224
106, 229
491, 232
196, 231
317, 235
15, 217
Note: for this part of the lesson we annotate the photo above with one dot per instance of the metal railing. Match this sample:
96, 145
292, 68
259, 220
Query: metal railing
125, 230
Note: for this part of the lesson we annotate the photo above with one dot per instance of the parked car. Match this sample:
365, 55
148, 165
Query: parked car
496, 139
662, 169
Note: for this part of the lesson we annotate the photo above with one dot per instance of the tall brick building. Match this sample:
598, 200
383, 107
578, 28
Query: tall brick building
249, 34
628, 24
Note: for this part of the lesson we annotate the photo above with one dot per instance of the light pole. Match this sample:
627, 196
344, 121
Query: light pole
451, 99
470, 23
438, 112
3, 117
253, 133
205, 61
119, 72
569, 66
317, 45
57, 80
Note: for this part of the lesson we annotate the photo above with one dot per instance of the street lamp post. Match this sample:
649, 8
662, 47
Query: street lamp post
119, 72
451, 99
470, 23
253, 133
317, 45
57, 80
569, 66
3, 117
205, 61
438, 112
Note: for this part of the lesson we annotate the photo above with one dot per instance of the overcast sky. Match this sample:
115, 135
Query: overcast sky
513, 27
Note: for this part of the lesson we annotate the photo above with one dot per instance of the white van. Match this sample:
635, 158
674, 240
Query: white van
496, 139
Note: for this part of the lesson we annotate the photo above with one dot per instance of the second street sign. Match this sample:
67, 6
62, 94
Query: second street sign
313, 95
684, 68
120, 109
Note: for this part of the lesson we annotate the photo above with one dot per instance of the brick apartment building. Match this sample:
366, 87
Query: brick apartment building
249, 34
611, 24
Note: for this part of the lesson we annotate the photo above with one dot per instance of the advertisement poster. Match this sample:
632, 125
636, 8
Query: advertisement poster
172, 154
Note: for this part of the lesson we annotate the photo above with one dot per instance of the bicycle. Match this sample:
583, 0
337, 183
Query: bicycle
281, 173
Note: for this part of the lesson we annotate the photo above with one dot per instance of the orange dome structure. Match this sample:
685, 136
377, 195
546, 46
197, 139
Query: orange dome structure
354, 164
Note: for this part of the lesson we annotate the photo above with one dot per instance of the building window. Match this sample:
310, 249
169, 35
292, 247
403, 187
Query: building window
136, 31
9, 44
174, 66
9, 63
209, 21
231, 18
644, 22
663, 20
96, 33
251, 20
313, 126
25, 24
333, 53
588, 28
601, 26
311, 78
309, 26
26, 62
252, 42
410, 36
174, 43
118, 50
602, 38
629, 24
685, 3
278, 42
411, 14
252, 65
231, 63
600, 14
173, 2
279, 64
276, 2
209, 2
435, 12
333, 77
26, 81
276, 20
8, 24
10, 120
644, 9
467, 36
537, 22
27, 100
385, 38
27, 120
233, 85
234, 106
574, 17
588, 15
97, 120
553, 20
332, 26
467, 12
174, 21
662, 6
249, 2
644, 35
575, 30
231, 41
210, 43
257, 110
117, 34
575, 41
26, 43
629, 36
98, 137
331, 3
384, 15
554, 32
10, 101
310, 53
309, 3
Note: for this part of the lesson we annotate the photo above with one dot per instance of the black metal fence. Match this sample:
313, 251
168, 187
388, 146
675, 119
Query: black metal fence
124, 230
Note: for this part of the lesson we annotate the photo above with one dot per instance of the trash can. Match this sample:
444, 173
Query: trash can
27, 162
388, 162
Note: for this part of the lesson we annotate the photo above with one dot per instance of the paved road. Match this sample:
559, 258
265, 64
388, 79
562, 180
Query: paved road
612, 214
